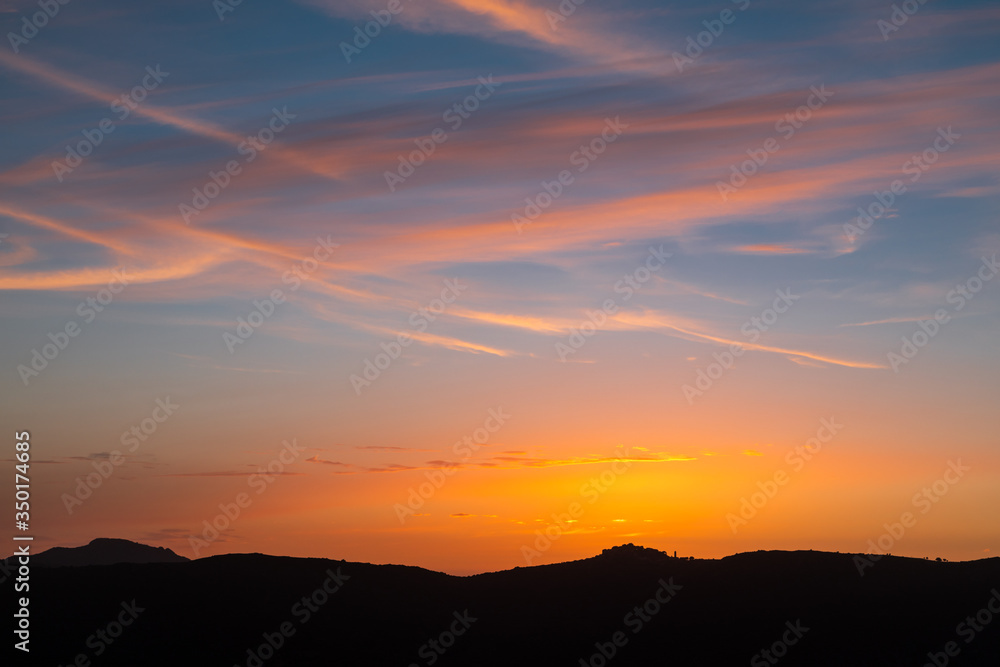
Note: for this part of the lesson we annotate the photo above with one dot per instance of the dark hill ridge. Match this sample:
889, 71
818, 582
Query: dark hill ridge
212, 611
105, 551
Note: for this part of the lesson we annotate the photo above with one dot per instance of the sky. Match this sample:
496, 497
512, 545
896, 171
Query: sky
477, 285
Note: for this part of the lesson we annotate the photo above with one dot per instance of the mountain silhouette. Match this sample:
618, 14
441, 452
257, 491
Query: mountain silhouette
627, 606
105, 551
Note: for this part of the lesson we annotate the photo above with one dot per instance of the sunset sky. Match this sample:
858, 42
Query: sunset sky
560, 218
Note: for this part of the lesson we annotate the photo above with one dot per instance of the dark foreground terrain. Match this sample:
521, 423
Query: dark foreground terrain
628, 606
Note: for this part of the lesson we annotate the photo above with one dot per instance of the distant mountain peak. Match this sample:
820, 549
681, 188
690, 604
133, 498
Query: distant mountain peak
116, 542
633, 551
106, 551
